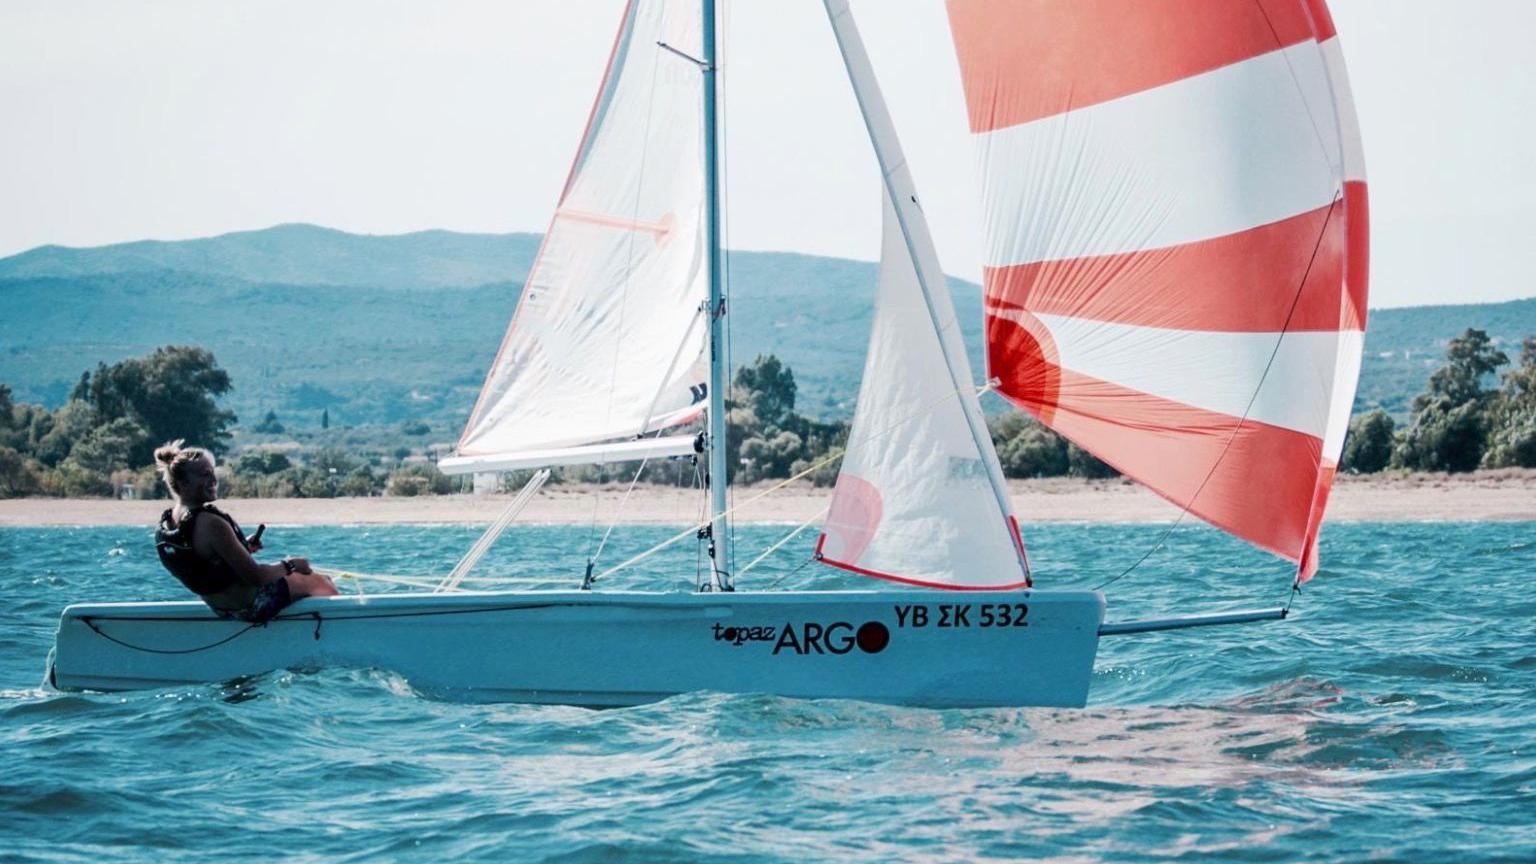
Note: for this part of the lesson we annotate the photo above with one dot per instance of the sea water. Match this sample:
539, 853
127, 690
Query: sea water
1392, 718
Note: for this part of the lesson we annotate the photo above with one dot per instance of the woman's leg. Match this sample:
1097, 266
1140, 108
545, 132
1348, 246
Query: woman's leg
309, 585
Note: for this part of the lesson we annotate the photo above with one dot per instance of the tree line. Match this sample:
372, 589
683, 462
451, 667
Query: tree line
1458, 423
102, 439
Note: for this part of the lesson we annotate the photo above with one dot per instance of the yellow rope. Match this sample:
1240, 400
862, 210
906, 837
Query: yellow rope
787, 537
375, 577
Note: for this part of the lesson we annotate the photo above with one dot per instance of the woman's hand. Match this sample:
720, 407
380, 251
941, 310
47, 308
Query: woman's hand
301, 565
253, 544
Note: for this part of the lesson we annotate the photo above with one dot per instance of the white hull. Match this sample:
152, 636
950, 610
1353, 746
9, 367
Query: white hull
618, 648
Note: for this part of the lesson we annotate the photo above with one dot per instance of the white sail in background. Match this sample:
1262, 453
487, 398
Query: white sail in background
913, 502
920, 497
608, 339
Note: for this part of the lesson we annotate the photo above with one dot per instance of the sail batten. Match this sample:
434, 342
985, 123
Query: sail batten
1176, 243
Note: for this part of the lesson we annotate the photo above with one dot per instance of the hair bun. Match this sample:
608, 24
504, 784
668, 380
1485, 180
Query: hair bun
167, 454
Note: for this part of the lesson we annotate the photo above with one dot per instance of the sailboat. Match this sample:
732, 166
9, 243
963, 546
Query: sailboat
1175, 230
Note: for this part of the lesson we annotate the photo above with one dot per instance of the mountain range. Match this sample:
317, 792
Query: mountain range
380, 329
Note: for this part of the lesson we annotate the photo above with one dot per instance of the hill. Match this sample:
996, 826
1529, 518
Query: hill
301, 255
381, 329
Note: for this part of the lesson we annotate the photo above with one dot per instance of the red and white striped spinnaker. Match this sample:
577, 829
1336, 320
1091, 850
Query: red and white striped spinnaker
1176, 242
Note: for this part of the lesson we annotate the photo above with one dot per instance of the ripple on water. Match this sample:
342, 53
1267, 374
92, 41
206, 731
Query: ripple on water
1392, 718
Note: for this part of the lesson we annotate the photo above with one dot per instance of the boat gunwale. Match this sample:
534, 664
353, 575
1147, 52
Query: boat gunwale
337, 607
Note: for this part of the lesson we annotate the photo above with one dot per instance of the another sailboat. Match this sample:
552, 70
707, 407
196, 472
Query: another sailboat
1171, 204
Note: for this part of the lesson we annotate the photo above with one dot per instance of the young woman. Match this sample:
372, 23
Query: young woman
204, 548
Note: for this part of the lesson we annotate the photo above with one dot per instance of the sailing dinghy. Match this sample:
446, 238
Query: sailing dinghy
1175, 219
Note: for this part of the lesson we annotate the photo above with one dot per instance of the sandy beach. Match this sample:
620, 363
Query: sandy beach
1504, 495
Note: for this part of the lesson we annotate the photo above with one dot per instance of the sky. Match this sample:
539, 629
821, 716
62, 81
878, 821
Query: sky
169, 119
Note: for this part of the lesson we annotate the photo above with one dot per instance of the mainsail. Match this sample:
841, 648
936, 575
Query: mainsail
1176, 243
920, 497
609, 335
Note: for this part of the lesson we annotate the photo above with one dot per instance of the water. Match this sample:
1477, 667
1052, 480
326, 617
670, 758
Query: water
1394, 720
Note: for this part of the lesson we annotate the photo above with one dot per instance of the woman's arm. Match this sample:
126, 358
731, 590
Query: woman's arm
214, 535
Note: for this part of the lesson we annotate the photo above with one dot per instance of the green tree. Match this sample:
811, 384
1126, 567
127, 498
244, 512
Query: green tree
73, 480
1025, 448
770, 457
1449, 429
1035, 452
7, 407
359, 483
269, 425
68, 425
1081, 463
325, 418
1512, 416
1470, 358
29, 424
171, 393
17, 477
109, 447
767, 386
1368, 444
82, 388
419, 479
262, 462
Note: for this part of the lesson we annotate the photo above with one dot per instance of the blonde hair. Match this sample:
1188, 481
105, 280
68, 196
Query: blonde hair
179, 464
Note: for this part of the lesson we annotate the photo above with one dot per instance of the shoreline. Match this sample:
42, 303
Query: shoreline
1504, 495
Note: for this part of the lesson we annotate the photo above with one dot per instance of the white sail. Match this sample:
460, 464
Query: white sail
920, 497
913, 502
607, 340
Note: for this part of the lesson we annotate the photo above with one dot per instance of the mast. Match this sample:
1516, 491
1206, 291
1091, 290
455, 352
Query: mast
720, 580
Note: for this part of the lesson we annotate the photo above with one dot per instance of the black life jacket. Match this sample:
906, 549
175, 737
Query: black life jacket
174, 544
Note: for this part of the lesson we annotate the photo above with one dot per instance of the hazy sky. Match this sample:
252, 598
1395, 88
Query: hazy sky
131, 119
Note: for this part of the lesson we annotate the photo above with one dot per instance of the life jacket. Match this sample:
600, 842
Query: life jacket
173, 542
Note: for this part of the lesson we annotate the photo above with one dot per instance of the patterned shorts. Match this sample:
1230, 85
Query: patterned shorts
270, 599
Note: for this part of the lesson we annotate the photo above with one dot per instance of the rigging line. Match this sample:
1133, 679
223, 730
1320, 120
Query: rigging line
775, 583
424, 583
1237, 427
1301, 91
693, 530
820, 463
210, 646
1295, 592
787, 537
376, 577
618, 510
